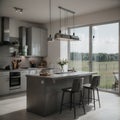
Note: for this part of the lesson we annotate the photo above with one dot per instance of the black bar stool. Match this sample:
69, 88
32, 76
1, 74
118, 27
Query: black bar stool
93, 86
76, 88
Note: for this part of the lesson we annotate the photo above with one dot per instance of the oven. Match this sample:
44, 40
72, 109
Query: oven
15, 80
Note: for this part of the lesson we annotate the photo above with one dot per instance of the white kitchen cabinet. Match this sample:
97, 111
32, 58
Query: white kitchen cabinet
37, 41
34, 71
4, 83
23, 80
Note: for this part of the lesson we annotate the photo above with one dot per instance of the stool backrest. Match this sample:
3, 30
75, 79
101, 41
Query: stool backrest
76, 85
95, 81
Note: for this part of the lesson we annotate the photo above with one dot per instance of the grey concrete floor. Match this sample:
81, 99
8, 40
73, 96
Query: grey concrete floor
13, 107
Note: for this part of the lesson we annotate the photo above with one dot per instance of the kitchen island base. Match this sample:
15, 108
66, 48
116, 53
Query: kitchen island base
44, 93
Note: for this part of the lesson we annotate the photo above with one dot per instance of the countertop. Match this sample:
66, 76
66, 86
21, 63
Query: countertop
63, 75
20, 69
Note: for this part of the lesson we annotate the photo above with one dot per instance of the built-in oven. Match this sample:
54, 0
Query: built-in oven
15, 80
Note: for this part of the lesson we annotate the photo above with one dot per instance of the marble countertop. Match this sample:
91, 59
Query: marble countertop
63, 75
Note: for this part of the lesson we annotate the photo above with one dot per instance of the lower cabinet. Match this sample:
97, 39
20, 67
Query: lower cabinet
4, 84
5, 81
23, 80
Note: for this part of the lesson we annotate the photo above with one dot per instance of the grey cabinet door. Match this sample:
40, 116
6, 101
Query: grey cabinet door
43, 43
0, 31
37, 45
4, 84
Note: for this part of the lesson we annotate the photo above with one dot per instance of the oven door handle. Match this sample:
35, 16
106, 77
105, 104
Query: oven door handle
15, 77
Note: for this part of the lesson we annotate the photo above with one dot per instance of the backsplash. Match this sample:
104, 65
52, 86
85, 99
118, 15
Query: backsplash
6, 59
7, 53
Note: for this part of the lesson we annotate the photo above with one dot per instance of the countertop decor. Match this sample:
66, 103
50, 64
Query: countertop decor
62, 62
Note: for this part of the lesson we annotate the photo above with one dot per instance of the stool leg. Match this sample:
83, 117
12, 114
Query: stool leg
82, 101
98, 97
74, 105
83, 93
70, 101
62, 102
94, 98
88, 96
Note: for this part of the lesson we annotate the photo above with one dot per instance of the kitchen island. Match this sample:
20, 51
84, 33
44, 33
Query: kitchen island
44, 92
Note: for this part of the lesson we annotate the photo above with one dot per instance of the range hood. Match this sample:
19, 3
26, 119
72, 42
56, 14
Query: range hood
5, 33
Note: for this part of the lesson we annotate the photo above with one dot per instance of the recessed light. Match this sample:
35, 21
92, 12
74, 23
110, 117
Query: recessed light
18, 10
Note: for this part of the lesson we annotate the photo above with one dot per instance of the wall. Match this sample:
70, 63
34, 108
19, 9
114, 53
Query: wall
92, 18
109, 15
15, 24
5, 56
57, 50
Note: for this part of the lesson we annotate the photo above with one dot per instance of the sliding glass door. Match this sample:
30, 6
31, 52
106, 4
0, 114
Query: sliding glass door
79, 50
97, 50
105, 54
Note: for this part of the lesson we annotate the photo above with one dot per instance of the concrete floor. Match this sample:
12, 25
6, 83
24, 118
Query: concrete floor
13, 107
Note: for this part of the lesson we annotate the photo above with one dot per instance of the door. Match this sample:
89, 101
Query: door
105, 53
79, 50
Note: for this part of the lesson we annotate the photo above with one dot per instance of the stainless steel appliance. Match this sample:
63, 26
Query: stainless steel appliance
15, 80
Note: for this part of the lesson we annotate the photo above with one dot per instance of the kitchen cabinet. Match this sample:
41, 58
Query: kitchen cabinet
22, 40
4, 83
0, 30
23, 80
23, 76
37, 41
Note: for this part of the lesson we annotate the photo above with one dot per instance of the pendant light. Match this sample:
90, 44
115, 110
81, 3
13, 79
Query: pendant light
73, 36
50, 22
60, 36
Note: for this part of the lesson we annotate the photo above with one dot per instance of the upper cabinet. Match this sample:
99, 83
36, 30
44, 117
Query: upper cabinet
37, 41
0, 30
22, 40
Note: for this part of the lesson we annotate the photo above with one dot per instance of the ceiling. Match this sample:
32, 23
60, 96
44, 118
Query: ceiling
38, 10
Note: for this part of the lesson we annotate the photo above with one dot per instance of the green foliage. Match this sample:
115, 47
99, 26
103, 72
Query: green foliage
104, 69
62, 62
98, 57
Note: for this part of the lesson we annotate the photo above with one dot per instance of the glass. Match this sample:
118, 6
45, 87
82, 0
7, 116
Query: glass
105, 52
79, 50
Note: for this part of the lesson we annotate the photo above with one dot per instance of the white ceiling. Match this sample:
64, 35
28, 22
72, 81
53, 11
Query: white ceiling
38, 10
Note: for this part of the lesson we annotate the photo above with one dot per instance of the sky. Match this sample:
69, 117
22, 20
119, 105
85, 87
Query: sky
105, 41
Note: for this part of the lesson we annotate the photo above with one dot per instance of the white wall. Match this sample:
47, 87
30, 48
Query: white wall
15, 24
57, 50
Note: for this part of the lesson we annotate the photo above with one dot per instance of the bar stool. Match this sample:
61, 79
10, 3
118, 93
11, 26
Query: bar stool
93, 86
76, 88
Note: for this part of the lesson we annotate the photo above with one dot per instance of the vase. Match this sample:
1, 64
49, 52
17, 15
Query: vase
62, 69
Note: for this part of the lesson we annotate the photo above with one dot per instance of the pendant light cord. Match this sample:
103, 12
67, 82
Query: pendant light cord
60, 20
73, 24
50, 15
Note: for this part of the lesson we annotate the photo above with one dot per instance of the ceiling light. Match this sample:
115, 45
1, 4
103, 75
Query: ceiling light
60, 36
18, 10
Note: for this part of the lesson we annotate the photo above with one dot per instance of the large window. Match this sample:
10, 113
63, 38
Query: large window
79, 50
105, 52
101, 54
